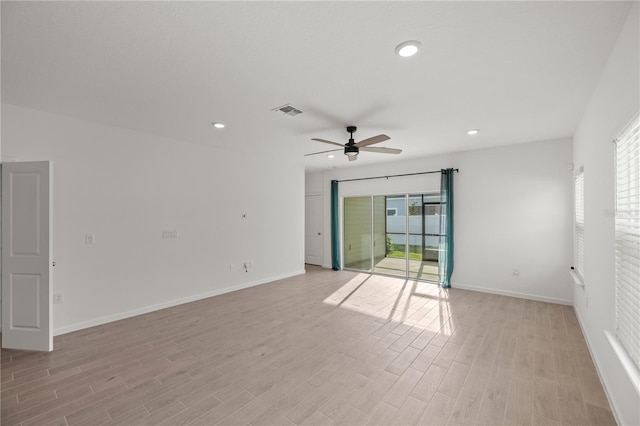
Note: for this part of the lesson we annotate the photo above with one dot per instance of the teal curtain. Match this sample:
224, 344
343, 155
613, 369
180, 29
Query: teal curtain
445, 254
335, 228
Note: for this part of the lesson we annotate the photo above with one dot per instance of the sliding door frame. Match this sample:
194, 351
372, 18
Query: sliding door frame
406, 197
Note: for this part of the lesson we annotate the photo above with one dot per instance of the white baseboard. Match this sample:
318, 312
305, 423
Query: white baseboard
513, 294
146, 309
597, 364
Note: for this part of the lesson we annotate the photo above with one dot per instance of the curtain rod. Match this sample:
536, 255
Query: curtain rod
387, 177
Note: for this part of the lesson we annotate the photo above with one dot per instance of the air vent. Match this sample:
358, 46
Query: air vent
287, 110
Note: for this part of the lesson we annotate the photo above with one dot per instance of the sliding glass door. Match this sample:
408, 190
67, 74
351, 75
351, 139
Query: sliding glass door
392, 228
425, 265
357, 233
393, 235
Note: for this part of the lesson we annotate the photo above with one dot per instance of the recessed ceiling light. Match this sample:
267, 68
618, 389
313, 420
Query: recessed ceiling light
473, 132
408, 48
330, 156
218, 125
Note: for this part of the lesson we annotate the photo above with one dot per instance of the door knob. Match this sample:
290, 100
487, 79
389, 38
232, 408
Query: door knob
319, 233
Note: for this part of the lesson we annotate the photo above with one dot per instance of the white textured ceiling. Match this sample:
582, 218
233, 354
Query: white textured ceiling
519, 71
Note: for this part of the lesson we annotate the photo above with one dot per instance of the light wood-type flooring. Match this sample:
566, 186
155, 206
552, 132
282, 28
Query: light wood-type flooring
322, 348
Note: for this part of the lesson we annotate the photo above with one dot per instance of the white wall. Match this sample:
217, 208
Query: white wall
612, 105
513, 210
313, 183
126, 187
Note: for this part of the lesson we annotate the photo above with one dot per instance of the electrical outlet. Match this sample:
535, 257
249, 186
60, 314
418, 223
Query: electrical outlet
57, 298
89, 239
169, 235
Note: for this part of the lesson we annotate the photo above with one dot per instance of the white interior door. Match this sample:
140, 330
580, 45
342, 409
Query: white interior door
313, 239
26, 256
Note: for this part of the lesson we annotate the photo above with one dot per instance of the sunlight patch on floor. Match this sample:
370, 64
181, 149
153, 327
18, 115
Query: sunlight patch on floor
414, 303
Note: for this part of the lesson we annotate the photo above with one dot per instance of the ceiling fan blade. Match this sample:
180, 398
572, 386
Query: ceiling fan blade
371, 141
322, 152
352, 157
326, 141
381, 150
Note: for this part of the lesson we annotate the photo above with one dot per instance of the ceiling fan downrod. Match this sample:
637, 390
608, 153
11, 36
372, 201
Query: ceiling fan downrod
349, 149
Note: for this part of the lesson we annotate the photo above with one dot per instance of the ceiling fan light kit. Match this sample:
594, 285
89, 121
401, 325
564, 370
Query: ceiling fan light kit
351, 150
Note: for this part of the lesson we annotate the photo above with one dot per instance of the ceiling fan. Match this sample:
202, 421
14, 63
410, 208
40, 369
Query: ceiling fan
351, 148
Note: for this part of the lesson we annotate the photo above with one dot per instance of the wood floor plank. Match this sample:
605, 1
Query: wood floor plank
494, 400
466, 408
426, 357
544, 364
599, 416
307, 407
193, 412
453, 381
273, 413
353, 384
133, 416
402, 388
378, 364
382, 414
410, 412
351, 416
65, 408
371, 396
428, 384
403, 361
316, 419
325, 347
438, 410
545, 401
571, 405
592, 392
224, 409
519, 407
469, 349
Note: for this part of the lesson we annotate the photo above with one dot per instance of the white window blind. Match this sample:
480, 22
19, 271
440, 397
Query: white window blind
578, 244
628, 239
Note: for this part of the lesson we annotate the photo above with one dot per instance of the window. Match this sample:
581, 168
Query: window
628, 239
578, 246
